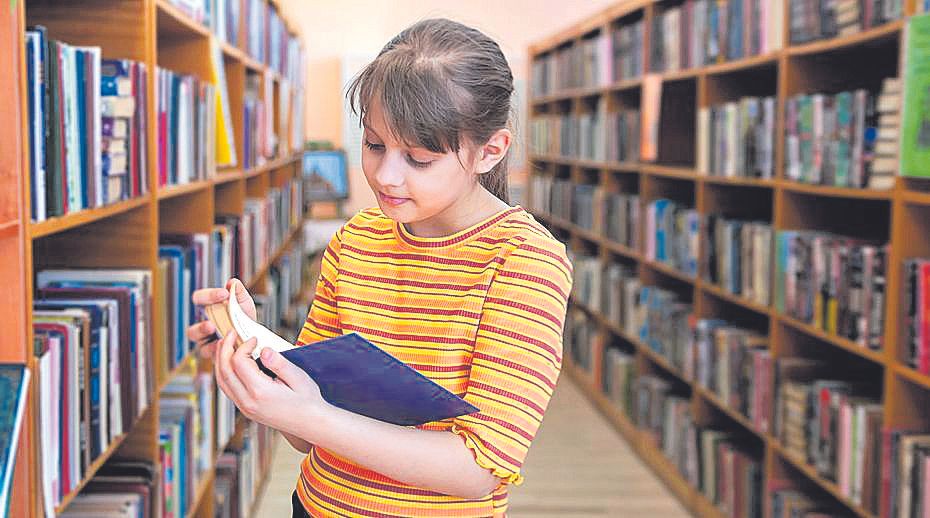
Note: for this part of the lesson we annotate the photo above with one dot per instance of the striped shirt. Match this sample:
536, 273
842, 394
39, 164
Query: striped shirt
479, 312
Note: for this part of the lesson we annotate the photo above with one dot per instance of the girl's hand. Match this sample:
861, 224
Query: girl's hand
201, 332
285, 404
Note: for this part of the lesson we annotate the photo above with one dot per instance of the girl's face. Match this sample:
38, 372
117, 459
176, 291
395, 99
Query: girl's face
414, 185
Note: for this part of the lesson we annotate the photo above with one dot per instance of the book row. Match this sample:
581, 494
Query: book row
141, 489
87, 127
737, 257
703, 32
264, 35
832, 282
614, 215
672, 235
820, 19
186, 111
721, 464
848, 139
736, 139
835, 425
95, 373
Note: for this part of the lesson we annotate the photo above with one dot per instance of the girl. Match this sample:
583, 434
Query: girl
444, 275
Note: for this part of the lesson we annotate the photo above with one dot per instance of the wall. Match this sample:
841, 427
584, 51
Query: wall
336, 30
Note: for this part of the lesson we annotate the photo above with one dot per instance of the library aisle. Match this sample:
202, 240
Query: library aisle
571, 470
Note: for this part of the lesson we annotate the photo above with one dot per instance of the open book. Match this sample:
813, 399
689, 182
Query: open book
352, 373
229, 316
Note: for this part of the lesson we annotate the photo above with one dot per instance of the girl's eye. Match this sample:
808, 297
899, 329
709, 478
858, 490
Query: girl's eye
417, 164
374, 147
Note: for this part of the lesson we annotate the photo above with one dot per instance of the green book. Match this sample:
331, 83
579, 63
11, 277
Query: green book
915, 131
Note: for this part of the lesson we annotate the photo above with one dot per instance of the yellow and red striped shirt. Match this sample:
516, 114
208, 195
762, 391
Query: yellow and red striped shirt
479, 312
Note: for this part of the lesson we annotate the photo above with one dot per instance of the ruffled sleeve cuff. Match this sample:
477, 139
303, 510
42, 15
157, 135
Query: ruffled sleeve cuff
483, 456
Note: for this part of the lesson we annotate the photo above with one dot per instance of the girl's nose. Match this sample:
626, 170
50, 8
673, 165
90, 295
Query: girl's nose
390, 173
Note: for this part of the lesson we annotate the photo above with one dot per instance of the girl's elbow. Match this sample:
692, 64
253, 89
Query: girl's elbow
481, 487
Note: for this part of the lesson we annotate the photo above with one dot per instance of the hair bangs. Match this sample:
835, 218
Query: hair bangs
415, 100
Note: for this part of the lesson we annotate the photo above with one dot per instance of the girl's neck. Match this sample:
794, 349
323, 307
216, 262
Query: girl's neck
466, 212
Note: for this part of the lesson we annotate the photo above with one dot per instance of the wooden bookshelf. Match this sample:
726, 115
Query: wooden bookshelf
899, 216
125, 234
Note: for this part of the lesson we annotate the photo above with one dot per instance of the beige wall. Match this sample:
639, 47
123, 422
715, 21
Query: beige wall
335, 29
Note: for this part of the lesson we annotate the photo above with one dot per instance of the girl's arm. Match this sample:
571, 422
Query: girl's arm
433, 460
297, 443
292, 403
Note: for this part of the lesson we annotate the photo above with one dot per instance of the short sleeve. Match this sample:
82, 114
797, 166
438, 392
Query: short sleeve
323, 320
517, 357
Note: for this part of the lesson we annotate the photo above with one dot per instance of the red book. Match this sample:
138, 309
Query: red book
923, 317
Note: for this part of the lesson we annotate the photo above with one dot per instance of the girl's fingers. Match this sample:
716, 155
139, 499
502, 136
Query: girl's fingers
207, 296
209, 350
201, 330
226, 349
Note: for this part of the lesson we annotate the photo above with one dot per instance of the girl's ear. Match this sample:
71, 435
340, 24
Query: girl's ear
494, 150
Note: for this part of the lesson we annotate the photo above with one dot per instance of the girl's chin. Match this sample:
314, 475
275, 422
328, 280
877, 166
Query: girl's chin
402, 213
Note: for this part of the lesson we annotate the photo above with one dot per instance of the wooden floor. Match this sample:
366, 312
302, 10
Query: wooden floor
578, 467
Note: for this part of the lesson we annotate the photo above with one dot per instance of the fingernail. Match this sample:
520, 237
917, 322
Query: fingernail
266, 354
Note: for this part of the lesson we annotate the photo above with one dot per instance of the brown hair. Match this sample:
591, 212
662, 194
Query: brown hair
439, 82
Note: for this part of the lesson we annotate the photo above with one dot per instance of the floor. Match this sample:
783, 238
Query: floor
578, 467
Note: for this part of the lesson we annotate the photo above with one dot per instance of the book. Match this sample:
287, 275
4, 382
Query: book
352, 373
14, 384
915, 127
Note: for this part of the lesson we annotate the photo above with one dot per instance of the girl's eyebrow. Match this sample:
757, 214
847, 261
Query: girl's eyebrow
368, 128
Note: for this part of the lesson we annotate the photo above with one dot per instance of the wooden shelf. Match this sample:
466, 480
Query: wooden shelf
835, 192
228, 176
680, 75
662, 362
886, 31
684, 173
740, 182
203, 488
273, 164
157, 34
669, 271
78, 219
815, 477
619, 249
97, 463
819, 66
766, 60
916, 197
252, 63
720, 405
625, 84
720, 293
231, 51
625, 167
171, 191
912, 375
837, 341
570, 94
172, 22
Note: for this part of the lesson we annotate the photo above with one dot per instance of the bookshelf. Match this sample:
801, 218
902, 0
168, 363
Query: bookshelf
898, 216
126, 233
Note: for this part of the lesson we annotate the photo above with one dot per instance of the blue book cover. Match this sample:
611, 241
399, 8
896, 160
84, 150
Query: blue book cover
81, 104
356, 375
14, 382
